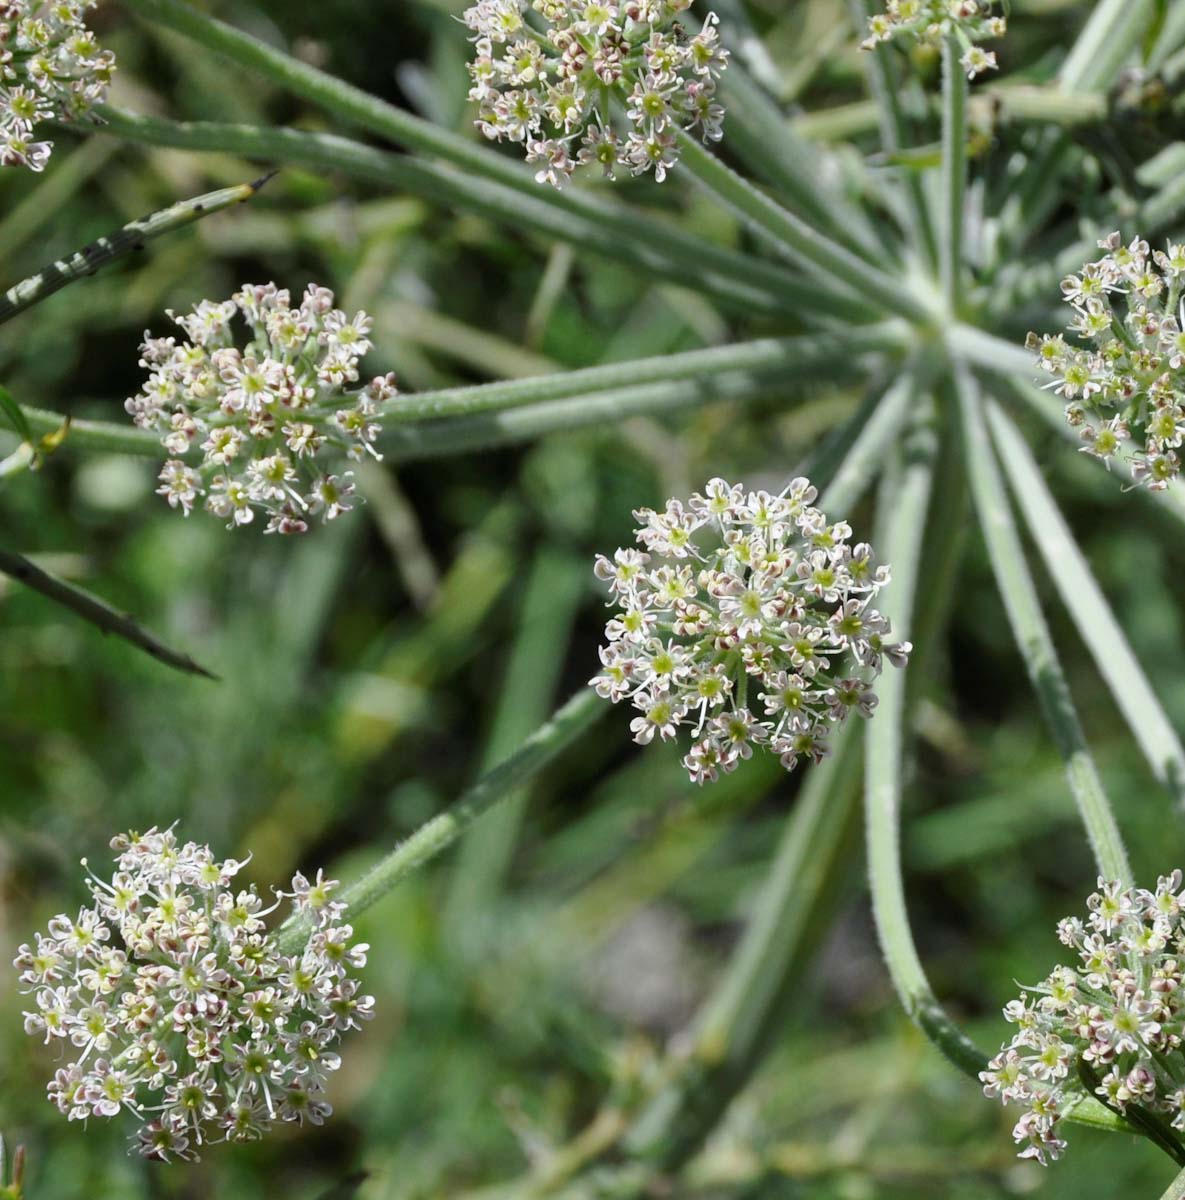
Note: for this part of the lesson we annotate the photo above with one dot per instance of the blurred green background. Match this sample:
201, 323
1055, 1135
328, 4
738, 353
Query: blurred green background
372, 670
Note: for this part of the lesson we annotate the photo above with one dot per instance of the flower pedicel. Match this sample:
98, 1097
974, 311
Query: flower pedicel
182, 1009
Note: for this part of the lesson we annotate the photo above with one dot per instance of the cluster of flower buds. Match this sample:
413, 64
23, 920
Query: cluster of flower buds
181, 1008
266, 417
1125, 394
969, 21
1111, 1026
51, 69
548, 74
740, 604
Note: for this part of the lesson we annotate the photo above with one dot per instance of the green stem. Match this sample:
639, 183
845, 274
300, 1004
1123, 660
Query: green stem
894, 134
647, 245
1110, 35
103, 437
435, 835
1176, 1189
1033, 638
884, 767
1102, 633
481, 431
793, 236
792, 354
771, 148
954, 173
114, 246
95, 611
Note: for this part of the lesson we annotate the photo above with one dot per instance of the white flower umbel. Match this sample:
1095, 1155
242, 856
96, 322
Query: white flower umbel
174, 1002
1112, 1025
51, 69
747, 619
970, 21
1125, 388
602, 83
273, 421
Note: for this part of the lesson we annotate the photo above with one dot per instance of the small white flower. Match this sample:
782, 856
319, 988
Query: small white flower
548, 91
51, 68
739, 594
1126, 386
268, 417
203, 1028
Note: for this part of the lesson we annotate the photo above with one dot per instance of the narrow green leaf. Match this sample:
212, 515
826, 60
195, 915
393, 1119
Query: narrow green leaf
14, 417
113, 246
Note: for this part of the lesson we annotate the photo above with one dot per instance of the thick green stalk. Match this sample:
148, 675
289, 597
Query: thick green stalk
790, 355
501, 424
649, 246
884, 767
1033, 638
96, 612
437, 834
1176, 1189
481, 431
954, 174
122, 242
794, 237
102, 437
1102, 633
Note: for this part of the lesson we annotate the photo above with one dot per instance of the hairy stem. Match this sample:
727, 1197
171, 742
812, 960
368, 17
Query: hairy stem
884, 767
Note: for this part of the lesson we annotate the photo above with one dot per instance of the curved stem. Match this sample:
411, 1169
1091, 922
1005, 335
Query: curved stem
954, 173
1033, 637
884, 767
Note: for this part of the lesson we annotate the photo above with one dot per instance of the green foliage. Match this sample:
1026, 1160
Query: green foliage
539, 986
